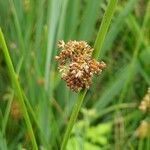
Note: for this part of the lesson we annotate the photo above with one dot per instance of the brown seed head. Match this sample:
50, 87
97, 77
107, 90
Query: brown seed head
143, 130
145, 103
76, 64
15, 110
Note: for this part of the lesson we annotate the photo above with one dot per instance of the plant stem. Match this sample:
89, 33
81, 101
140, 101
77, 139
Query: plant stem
7, 111
104, 27
17, 26
73, 118
97, 47
17, 88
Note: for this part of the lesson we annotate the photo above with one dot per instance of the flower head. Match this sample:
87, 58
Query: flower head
143, 130
15, 110
145, 103
76, 65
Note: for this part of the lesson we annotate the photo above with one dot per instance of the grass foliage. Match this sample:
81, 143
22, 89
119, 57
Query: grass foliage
109, 115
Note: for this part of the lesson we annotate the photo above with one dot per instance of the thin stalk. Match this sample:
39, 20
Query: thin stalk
31, 111
73, 117
104, 27
6, 116
114, 107
17, 26
97, 47
5, 119
141, 144
148, 141
17, 88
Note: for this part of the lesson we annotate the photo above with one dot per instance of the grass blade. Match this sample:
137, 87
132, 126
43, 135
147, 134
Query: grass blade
5, 119
18, 27
53, 20
117, 26
17, 88
90, 16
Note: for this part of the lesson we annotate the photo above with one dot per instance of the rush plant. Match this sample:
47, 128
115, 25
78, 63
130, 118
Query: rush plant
97, 48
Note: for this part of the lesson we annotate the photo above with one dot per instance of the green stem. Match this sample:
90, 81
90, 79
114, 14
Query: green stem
141, 144
114, 107
104, 27
18, 88
31, 111
97, 47
17, 26
5, 119
73, 118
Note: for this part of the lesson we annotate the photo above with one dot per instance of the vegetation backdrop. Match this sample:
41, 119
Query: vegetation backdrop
110, 117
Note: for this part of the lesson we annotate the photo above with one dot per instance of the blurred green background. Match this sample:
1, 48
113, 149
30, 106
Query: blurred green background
110, 117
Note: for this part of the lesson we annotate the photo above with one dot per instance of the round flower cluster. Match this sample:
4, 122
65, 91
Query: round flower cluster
145, 103
143, 129
76, 64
